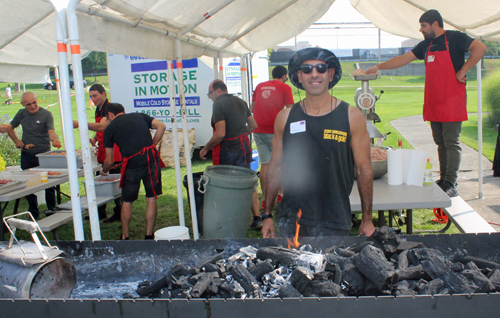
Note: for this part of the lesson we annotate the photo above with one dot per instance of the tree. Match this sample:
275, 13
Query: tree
94, 62
493, 48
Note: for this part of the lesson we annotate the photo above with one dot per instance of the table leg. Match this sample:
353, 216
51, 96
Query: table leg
2, 225
391, 217
16, 206
409, 221
381, 218
58, 191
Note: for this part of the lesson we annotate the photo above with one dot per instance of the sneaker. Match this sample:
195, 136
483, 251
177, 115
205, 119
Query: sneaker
450, 189
114, 218
256, 224
149, 237
440, 183
123, 239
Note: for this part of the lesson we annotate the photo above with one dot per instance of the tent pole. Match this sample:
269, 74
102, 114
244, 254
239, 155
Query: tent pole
479, 130
60, 22
216, 68
243, 73
187, 145
74, 40
58, 87
221, 67
177, 162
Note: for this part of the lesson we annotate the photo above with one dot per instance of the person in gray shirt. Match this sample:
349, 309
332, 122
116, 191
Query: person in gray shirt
38, 133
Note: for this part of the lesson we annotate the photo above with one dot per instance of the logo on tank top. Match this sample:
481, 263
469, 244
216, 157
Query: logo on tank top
337, 135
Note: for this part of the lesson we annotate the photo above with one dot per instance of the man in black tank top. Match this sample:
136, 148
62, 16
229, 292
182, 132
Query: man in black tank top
317, 143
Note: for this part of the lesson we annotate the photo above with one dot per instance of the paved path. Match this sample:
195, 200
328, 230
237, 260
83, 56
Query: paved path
418, 134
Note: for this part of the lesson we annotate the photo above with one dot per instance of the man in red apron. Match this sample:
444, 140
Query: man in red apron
232, 123
141, 161
445, 100
97, 95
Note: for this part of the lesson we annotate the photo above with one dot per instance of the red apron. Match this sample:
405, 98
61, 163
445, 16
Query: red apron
445, 98
101, 151
142, 152
216, 149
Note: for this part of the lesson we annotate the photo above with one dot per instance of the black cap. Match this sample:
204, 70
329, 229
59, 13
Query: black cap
313, 53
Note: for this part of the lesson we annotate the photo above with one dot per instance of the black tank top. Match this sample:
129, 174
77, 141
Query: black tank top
318, 170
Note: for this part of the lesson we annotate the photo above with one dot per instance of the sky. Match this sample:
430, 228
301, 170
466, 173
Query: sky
346, 36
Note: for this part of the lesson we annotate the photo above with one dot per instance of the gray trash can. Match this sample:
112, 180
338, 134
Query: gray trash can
227, 201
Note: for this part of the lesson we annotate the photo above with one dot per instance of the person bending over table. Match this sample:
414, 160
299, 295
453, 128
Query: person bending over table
141, 161
38, 132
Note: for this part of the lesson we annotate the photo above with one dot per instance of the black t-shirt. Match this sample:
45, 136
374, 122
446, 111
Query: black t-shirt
131, 132
458, 44
234, 111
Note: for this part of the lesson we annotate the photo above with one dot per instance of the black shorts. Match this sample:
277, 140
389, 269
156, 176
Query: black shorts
133, 178
288, 227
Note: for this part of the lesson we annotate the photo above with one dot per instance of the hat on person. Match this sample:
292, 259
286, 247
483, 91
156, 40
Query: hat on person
313, 53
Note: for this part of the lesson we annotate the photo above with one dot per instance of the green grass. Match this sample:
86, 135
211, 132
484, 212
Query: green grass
403, 96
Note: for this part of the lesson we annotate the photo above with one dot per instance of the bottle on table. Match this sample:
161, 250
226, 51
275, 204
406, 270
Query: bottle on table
428, 173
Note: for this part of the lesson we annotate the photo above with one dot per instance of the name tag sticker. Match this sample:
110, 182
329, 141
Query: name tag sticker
430, 58
298, 127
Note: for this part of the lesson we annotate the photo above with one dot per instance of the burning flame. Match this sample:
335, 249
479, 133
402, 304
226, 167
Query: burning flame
295, 243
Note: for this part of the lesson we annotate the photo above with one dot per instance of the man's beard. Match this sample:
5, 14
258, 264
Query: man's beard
429, 36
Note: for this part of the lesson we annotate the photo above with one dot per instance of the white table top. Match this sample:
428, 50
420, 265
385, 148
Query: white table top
395, 197
16, 194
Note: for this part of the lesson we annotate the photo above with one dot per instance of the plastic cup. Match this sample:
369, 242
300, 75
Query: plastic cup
45, 176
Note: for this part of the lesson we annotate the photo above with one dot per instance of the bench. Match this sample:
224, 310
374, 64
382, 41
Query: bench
465, 218
52, 222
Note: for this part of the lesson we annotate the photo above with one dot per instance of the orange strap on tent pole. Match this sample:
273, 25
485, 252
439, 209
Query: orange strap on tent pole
61, 47
179, 65
75, 49
243, 69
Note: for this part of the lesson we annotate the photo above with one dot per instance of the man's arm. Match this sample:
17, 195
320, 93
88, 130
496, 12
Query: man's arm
108, 162
218, 136
12, 134
251, 124
360, 145
274, 176
160, 130
252, 107
288, 105
54, 138
100, 126
393, 63
477, 50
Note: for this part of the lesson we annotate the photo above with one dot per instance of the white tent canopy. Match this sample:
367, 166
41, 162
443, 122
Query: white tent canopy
480, 19
149, 28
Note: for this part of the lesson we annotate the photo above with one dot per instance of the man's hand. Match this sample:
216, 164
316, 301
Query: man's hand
203, 153
19, 144
461, 76
75, 124
268, 228
92, 141
366, 228
372, 70
57, 144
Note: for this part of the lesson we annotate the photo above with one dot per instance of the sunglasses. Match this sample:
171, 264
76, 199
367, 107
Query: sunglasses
308, 68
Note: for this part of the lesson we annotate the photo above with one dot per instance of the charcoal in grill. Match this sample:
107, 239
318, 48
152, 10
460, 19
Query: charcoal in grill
412, 273
153, 288
402, 261
387, 238
279, 256
286, 290
247, 281
353, 280
202, 283
481, 263
474, 275
356, 248
403, 288
432, 287
260, 269
301, 278
372, 263
495, 279
323, 288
